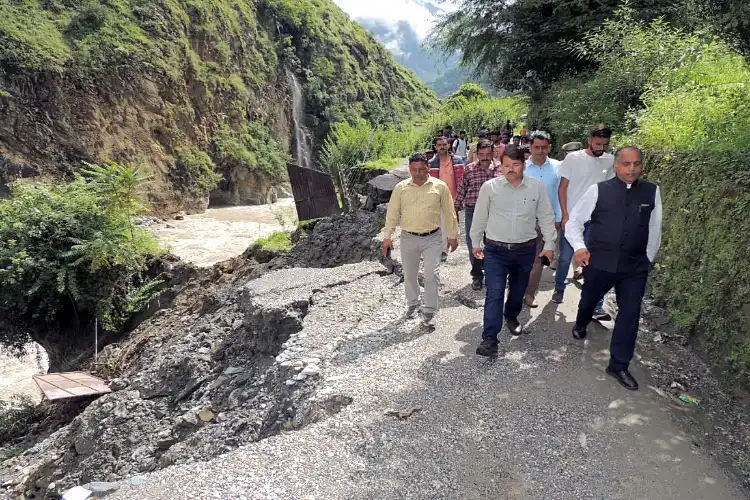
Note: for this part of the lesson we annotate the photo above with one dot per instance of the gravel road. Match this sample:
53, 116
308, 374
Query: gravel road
542, 421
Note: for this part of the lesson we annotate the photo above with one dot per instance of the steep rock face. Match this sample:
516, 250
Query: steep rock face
188, 88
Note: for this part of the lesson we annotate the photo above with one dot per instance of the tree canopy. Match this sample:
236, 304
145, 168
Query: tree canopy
526, 44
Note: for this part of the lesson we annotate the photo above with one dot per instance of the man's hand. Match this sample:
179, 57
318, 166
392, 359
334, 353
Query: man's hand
549, 254
558, 225
387, 244
564, 221
478, 254
582, 257
452, 244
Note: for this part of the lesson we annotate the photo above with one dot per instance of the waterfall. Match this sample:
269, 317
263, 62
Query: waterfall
302, 138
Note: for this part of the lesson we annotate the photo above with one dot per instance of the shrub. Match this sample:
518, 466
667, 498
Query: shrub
194, 171
16, 416
70, 255
702, 272
277, 241
249, 147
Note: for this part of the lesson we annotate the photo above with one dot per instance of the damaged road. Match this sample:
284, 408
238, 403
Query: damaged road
541, 421
310, 383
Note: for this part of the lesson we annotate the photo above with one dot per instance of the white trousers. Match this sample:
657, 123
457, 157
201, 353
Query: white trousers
413, 249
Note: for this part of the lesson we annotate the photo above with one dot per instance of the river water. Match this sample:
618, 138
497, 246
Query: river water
222, 233
203, 239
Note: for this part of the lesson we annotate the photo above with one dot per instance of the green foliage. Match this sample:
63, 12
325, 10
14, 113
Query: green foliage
70, 252
249, 147
348, 74
16, 416
277, 241
525, 47
384, 163
472, 117
349, 147
470, 92
194, 171
701, 272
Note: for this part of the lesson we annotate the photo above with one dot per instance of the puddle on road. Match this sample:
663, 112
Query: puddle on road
222, 233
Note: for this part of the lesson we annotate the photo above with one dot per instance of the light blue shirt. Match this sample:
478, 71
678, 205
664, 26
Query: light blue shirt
548, 174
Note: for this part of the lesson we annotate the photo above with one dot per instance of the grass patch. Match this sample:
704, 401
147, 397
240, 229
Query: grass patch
384, 163
277, 241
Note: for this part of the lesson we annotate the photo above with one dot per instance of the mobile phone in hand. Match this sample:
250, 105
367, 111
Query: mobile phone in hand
545, 261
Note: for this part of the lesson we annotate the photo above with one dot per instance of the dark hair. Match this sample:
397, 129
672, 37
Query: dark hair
516, 136
448, 126
627, 148
418, 157
541, 135
483, 133
484, 144
438, 138
505, 134
495, 132
462, 132
602, 133
515, 153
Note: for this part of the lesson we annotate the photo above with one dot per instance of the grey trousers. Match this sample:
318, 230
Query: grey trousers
414, 248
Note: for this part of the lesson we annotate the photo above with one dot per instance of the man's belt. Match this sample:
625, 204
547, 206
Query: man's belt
510, 246
423, 234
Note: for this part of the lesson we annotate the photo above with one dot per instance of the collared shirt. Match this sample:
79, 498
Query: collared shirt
549, 175
510, 214
420, 208
473, 178
581, 214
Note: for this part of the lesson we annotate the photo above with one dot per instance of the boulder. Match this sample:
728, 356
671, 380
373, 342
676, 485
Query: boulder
380, 188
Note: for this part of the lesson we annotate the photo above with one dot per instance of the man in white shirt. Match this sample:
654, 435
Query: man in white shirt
624, 223
503, 233
579, 171
461, 147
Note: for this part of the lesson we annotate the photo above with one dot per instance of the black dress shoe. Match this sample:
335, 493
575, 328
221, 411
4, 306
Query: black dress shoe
487, 348
624, 378
476, 283
514, 326
579, 333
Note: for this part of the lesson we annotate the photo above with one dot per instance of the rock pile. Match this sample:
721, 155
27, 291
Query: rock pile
236, 370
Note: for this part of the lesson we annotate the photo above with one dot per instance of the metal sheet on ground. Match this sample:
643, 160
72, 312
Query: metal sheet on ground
70, 385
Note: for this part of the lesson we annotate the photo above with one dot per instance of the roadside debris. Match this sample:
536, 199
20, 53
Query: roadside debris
402, 415
688, 399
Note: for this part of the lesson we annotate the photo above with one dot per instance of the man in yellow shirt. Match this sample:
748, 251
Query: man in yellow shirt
419, 202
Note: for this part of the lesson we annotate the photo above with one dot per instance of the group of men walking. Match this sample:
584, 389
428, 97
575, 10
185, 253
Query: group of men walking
521, 215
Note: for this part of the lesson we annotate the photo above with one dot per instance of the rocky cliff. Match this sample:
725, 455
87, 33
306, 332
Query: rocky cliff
197, 91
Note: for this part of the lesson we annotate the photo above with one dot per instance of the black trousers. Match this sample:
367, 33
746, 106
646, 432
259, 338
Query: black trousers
629, 288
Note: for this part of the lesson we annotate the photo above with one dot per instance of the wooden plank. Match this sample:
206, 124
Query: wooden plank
70, 385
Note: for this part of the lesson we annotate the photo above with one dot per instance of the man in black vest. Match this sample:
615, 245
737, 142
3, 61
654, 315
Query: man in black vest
625, 234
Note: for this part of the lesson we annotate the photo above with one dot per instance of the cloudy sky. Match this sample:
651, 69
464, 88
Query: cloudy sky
418, 13
401, 25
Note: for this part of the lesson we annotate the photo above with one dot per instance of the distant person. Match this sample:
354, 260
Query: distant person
516, 140
505, 138
461, 146
448, 131
475, 175
499, 145
546, 169
526, 151
483, 134
429, 154
624, 217
571, 147
419, 203
508, 130
503, 233
579, 171
445, 162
